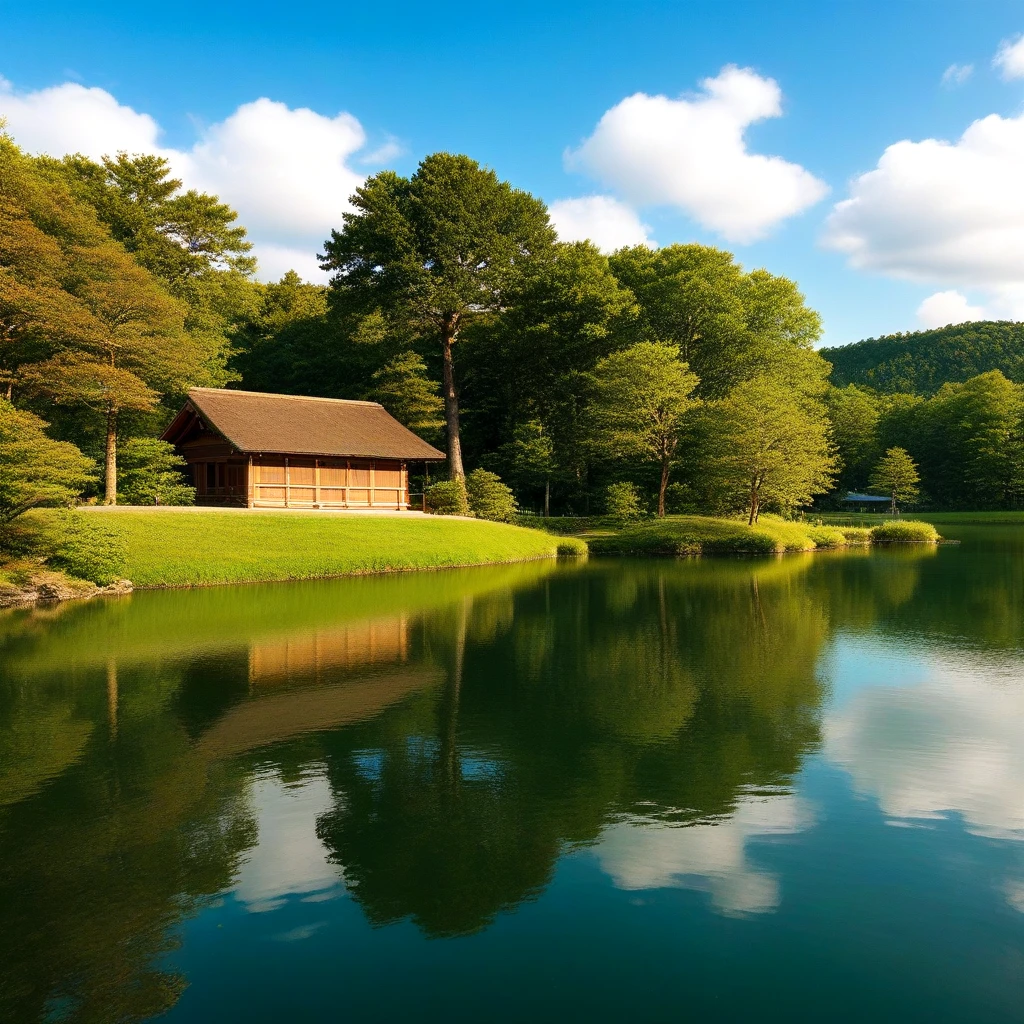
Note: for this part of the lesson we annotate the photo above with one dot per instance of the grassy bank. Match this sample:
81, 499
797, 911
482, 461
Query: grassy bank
697, 535
175, 548
937, 518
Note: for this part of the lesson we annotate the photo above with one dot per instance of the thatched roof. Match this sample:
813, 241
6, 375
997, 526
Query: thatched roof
295, 425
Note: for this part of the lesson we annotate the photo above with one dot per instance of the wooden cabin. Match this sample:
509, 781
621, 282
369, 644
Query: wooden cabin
260, 450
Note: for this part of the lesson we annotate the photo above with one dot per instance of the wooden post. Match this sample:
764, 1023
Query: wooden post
316, 481
373, 481
250, 487
348, 480
287, 483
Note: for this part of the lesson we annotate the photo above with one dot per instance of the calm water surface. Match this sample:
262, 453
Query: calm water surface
738, 790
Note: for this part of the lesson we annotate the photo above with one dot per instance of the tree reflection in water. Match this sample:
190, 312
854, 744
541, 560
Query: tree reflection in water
471, 727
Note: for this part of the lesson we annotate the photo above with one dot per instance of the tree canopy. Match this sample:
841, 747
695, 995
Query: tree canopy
437, 250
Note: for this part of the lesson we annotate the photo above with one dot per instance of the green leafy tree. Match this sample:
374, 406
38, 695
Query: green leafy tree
177, 235
189, 240
531, 362
897, 476
284, 344
35, 469
854, 414
768, 446
404, 389
139, 351
42, 232
728, 325
91, 334
437, 251
489, 498
641, 396
152, 473
531, 455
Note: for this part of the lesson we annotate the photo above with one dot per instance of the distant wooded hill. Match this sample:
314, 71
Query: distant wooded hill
921, 362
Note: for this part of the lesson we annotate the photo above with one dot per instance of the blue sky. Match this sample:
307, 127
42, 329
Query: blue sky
517, 86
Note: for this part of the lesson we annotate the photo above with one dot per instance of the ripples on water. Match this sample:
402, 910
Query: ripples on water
770, 789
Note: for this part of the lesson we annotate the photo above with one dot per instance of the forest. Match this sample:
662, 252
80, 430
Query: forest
672, 380
919, 363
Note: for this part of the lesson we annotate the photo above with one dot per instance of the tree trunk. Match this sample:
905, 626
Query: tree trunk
547, 497
663, 486
753, 504
110, 460
451, 401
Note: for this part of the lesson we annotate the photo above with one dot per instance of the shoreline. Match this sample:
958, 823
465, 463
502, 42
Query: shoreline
204, 548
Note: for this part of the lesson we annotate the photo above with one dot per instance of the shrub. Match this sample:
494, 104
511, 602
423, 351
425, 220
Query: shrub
622, 501
826, 536
447, 498
489, 498
85, 547
572, 547
149, 472
856, 535
910, 531
35, 469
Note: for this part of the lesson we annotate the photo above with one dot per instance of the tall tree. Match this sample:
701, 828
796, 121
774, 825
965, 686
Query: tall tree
190, 240
439, 249
139, 351
896, 475
768, 446
641, 395
87, 327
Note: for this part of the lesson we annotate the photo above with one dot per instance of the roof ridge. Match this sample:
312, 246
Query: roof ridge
273, 394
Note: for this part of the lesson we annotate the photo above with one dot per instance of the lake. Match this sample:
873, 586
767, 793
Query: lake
732, 789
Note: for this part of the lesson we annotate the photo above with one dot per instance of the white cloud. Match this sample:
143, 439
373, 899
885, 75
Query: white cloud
1010, 58
287, 172
707, 857
947, 213
957, 74
71, 118
949, 307
604, 220
691, 153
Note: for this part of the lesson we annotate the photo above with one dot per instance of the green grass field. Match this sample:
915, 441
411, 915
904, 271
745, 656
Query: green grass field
172, 548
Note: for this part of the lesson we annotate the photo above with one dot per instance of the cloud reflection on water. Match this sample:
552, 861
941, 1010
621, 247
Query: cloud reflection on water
710, 857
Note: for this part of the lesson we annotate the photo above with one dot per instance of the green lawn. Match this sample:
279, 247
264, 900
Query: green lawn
168, 547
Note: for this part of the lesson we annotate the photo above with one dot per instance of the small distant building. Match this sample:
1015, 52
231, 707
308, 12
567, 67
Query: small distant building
261, 450
867, 502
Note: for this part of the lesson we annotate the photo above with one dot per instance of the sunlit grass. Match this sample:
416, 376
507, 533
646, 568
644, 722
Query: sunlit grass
193, 548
